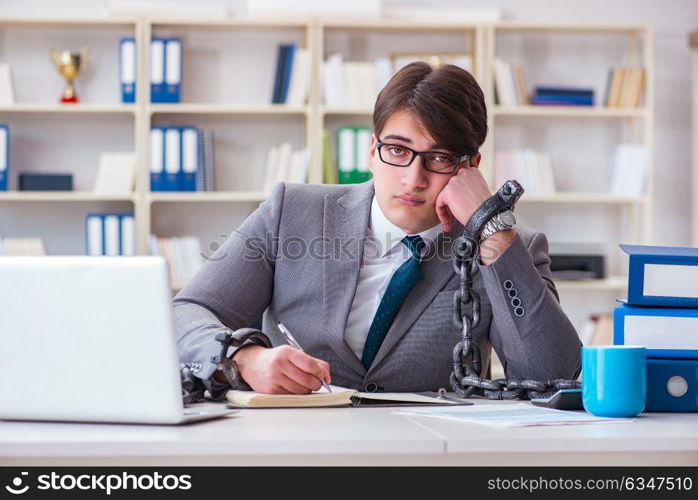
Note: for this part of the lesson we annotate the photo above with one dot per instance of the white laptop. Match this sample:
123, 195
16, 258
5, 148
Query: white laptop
89, 339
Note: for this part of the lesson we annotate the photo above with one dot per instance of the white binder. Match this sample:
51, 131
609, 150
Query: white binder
173, 69
190, 158
363, 141
128, 70
157, 163
94, 235
111, 235
172, 159
347, 150
128, 235
157, 70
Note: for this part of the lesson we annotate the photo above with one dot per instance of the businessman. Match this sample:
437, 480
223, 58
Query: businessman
362, 274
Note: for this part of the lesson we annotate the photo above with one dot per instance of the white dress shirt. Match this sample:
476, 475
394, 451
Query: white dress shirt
383, 255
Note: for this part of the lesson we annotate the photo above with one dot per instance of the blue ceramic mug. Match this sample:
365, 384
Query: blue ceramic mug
614, 380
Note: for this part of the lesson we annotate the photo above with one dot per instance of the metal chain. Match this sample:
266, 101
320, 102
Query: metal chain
467, 362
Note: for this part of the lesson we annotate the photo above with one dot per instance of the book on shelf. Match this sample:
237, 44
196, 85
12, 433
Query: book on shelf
7, 91
352, 154
183, 255
282, 60
533, 169
329, 168
628, 170
29, 181
181, 159
625, 87
291, 76
110, 234
299, 84
285, 164
4, 156
509, 84
115, 173
338, 397
562, 96
22, 246
354, 84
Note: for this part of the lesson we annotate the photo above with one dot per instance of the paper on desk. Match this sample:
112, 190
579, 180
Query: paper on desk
510, 415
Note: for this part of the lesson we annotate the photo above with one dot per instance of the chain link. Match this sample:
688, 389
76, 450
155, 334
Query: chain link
467, 362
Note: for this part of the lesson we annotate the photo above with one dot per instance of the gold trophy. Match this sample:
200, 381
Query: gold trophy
70, 65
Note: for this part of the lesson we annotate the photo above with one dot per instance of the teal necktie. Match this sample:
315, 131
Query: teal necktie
404, 279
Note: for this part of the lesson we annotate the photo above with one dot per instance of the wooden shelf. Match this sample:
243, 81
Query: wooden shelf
68, 108
570, 111
347, 111
68, 196
68, 23
612, 283
569, 197
570, 27
240, 22
213, 108
212, 196
360, 23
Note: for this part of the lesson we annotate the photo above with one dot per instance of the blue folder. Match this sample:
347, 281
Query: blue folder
127, 69
672, 385
640, 255
675, 344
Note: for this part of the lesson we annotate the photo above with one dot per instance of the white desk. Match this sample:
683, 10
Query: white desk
350, 436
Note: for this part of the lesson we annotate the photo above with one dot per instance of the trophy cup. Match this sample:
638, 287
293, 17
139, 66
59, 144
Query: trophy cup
70, 65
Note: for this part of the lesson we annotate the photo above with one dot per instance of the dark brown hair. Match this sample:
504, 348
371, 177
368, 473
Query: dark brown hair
447, 101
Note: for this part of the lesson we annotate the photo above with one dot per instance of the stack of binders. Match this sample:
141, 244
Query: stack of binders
661, 313
352, 154
165, 70
110, 234
180, 159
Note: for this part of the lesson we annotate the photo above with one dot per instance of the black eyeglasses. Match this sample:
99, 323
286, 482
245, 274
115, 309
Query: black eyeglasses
433, 161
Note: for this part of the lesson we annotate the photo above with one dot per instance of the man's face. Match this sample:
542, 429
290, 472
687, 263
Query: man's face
406, 195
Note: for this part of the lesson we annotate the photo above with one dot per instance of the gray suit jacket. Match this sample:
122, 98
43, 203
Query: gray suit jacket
299, 255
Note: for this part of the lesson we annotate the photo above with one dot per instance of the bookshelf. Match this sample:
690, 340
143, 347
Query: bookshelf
215, 96
580, 140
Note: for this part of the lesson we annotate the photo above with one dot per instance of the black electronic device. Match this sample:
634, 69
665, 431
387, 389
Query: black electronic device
564, 399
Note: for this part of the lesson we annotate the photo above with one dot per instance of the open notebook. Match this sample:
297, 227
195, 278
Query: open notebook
338, 397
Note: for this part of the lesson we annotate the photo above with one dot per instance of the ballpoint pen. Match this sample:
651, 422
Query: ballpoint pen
294, 343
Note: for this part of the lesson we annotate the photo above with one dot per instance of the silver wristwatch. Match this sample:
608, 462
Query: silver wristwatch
500, 222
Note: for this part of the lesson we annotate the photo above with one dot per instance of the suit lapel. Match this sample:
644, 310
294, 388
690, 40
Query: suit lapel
438, 269
345, 224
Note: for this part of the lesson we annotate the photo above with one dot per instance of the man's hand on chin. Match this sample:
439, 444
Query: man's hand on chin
461, 197
459, 200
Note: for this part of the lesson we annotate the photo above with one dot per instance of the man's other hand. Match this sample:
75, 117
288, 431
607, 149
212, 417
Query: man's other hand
281, 370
